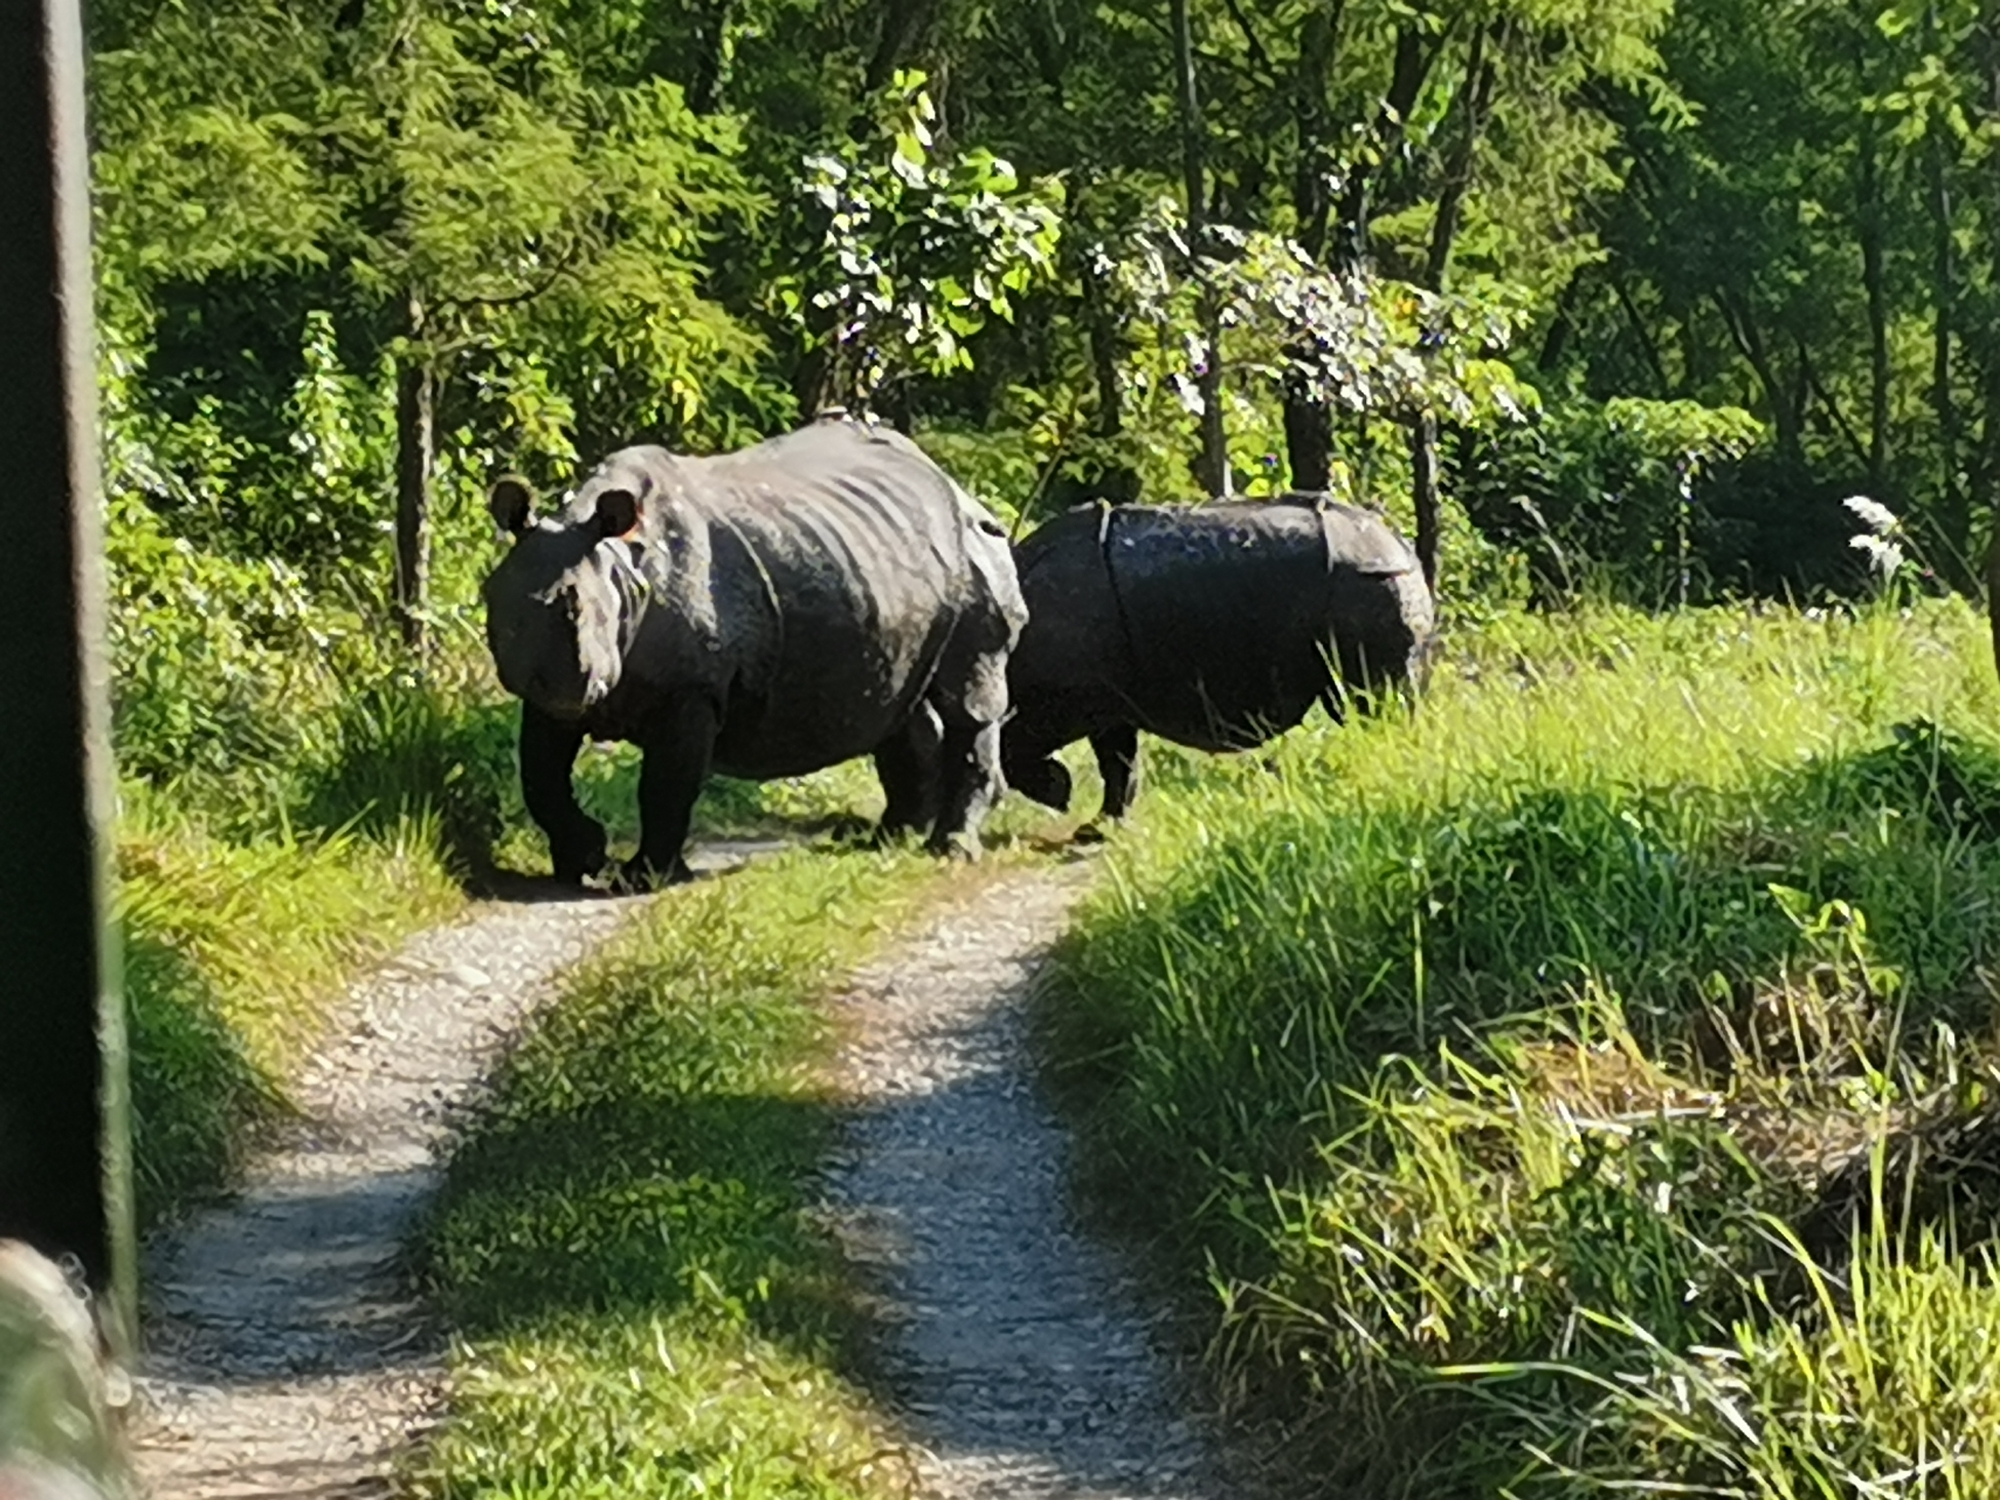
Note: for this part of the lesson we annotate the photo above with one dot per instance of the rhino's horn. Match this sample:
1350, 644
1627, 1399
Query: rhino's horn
511, 503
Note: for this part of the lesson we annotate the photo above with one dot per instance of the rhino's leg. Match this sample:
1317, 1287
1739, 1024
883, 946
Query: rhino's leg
1028, 748
910, 769
971, 692
677, 747
971, 782
970, 705
1040, 778
548, 755
1117, 751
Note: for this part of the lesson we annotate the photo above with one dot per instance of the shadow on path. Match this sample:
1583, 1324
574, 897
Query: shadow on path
1018, 1350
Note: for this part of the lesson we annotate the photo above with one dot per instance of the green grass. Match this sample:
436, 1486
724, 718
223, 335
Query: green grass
623, 1240
1481, 1066
233, 954
253, 893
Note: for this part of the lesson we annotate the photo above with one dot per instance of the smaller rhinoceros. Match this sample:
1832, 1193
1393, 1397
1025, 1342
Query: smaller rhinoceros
1216, 626
826, 594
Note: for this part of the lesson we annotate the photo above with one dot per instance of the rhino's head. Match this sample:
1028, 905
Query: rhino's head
566, 601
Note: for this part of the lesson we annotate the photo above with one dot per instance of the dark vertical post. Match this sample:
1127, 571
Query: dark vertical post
65, 1172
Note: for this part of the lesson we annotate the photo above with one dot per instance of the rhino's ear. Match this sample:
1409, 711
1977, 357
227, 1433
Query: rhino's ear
511, 503
617, 512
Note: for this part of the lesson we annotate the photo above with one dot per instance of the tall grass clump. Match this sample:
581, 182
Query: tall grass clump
623, 1241
1493, 1061
232, 954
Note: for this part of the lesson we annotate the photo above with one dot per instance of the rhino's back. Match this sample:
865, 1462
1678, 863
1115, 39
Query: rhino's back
838, 567
1225, 605
1075, 637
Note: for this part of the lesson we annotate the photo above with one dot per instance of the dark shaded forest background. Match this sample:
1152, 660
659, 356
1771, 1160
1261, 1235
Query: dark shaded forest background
1638, 291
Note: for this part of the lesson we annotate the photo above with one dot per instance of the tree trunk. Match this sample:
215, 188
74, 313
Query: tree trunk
1874, 280
1101, 326
1212, 465
1424, 491
1475, 96
415, 457
904, 24
1954, 514
1308, 422
1312, 198
1989, 466
1785, 405
711, 57
1406, 78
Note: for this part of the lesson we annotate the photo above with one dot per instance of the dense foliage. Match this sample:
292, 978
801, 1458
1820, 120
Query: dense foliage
1599, 297
1644, 290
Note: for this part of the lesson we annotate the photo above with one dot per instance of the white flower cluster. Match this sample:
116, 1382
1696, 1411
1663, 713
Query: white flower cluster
1885, 553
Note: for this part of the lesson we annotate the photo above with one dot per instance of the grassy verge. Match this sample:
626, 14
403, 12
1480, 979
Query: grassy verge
250, 900
622, 1240
1583, 1088
232, 954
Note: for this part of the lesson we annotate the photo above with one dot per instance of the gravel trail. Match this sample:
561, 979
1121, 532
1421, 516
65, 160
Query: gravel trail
285, 1355
1024, 1364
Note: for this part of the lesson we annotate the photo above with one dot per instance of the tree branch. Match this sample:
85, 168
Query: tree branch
512, 299
1263, 58
1644, 335
1829, 405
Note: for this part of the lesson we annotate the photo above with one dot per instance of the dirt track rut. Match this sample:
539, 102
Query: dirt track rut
287, 1358
1024, 1365
284, 1354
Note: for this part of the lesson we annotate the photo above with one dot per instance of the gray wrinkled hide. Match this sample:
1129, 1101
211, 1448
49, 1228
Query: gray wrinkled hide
1215, 626
826, 594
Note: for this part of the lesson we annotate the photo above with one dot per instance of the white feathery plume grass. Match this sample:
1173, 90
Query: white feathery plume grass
1884, 556
1873, 514
1881, 540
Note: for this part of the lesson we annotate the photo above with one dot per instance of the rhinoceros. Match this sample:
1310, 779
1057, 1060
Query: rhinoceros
823, 595
1216, 626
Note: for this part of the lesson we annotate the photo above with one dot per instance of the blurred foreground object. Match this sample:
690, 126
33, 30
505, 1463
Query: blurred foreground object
58, 1428
65, 1174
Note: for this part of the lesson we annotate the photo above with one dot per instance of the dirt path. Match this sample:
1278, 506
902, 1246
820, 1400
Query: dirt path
285, 1356
1025, 1367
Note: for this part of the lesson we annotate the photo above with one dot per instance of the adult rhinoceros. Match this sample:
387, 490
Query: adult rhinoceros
1215, 626
826, 594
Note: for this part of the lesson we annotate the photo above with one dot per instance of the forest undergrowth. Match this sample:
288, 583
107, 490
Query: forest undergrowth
1586, 1086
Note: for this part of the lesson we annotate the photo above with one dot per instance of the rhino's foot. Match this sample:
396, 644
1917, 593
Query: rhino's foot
959, 846
579, 862
639, 874
580, 875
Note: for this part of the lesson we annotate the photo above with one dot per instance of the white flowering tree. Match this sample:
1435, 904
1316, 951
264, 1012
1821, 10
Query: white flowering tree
1352, 340
914, 253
